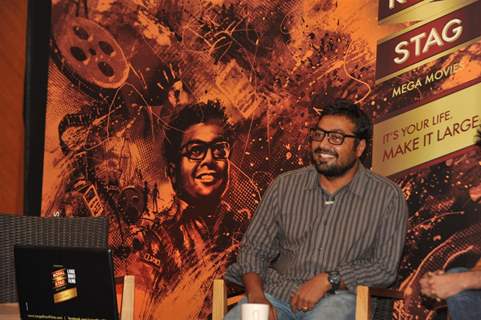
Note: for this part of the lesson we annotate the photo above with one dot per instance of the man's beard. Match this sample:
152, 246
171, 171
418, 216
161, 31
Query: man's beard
333, 170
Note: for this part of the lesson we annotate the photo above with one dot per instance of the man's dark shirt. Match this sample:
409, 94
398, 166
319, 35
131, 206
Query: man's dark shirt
359, 231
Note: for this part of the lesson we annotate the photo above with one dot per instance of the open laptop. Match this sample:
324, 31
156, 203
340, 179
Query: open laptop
65, 283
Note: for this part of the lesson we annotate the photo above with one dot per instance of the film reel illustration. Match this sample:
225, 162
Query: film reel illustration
89, 56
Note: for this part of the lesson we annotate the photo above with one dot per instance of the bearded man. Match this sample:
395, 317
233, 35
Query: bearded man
321, 230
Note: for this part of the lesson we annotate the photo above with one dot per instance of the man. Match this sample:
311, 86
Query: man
198, 144
192, 240
197, 147
460, 287
323, 229
155, 197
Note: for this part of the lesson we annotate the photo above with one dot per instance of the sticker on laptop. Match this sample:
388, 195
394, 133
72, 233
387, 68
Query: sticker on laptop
64, 284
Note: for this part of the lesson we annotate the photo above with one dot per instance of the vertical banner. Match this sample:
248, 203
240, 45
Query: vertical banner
172, 118
430, 75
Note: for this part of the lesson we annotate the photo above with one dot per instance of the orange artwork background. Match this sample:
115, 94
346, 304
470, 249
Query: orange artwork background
120, 70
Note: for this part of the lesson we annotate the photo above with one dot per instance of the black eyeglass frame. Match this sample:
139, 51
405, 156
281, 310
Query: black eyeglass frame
331, 135
206, 146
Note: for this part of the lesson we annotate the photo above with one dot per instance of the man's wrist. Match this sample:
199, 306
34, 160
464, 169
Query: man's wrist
334, 279
253, 285
254, 292
468, 279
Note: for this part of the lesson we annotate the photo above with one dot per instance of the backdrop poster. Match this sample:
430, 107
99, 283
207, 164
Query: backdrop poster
431, 70
181, 183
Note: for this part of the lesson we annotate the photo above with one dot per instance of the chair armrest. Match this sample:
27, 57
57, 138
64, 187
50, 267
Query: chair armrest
222, 298
219, 299
386, 293
363, 299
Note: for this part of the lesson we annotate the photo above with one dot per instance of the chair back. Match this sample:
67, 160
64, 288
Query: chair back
42, 231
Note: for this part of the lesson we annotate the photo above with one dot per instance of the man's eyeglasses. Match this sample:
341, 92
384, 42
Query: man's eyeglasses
333, 137
197, 150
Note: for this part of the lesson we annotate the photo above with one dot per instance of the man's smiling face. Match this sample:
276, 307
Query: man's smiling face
333, 160
203, 179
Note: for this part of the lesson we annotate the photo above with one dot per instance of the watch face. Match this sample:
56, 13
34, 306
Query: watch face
334, 278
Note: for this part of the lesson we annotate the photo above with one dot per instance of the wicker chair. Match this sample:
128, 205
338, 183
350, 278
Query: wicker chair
224, 296
60, 232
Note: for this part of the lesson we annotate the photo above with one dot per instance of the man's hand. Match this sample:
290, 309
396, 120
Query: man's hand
261, 298
255, 292
310, 293
440, 285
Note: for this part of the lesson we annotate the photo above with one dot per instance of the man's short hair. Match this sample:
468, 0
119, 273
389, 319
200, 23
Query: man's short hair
353, 112
190, 115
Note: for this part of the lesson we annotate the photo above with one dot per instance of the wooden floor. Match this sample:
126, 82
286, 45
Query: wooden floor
13, 17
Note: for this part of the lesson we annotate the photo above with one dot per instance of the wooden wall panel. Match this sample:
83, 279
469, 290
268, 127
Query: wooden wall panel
13, 22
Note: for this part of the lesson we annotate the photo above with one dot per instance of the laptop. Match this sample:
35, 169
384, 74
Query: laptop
65, 283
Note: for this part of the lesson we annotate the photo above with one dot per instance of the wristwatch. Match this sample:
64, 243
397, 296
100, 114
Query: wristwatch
334, 279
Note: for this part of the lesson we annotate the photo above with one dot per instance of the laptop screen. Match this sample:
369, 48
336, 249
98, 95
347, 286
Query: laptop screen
65, 283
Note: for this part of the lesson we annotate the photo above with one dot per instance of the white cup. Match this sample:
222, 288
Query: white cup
254, 311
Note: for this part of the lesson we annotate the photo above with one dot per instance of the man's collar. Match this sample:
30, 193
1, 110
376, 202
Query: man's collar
313, 179
358, 182
356, 185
